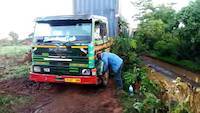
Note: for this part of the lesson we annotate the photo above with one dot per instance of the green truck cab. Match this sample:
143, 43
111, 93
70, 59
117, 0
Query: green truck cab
65, 47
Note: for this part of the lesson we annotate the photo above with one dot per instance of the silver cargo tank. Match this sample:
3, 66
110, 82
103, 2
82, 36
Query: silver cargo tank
107, 8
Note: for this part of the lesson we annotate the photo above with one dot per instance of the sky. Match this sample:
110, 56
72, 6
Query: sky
127, 8
19, 15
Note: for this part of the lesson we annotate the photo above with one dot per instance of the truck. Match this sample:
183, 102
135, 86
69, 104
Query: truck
65, 49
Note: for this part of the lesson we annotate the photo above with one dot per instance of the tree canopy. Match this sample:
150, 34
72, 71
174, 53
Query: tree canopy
160, 30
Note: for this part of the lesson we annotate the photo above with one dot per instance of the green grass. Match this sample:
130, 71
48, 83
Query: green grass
16, 72
9, 101
187, 64
15, 50
13, 70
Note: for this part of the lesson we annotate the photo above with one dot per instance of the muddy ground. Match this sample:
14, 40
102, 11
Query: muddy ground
62, 98
172, 71
57, 98
184, 91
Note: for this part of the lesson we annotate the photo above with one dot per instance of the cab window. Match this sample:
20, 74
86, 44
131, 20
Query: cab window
100, 33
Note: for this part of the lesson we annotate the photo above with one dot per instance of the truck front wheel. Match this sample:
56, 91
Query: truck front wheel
105, 79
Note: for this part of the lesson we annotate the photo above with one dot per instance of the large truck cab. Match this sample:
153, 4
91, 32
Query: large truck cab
65, 47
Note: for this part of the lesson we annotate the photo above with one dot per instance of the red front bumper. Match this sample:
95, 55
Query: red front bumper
61, 79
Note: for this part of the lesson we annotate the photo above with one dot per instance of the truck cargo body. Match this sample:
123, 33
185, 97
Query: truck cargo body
106, 8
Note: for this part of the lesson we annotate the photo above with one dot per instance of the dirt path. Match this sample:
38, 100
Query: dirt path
172, 72
165, 75
63, 98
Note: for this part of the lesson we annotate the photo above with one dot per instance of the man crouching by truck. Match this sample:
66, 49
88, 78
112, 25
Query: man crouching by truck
114, 62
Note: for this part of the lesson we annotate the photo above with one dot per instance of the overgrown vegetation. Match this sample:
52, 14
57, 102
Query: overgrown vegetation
145, 98
170, 35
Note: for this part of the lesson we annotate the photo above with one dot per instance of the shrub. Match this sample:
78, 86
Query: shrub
167, 46
125, 47
146, 99
130, 76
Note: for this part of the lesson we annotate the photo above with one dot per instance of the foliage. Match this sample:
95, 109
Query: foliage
14, 37
168, 45
180, 108
149, 86
146, 99
130, 76
171, 34
123, 27
128, 103
142, 7
125, 47
17, 50
190, 33
148, 105
160, 33
166, 14
150, 32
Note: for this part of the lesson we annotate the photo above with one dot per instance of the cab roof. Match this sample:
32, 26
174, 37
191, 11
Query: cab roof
71, 17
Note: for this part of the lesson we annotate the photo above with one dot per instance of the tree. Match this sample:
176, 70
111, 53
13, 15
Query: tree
14, 36
123, 27
190, 33
150, 32
169, 33
143, 7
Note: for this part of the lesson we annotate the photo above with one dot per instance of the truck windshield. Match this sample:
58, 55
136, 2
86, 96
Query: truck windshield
63, 31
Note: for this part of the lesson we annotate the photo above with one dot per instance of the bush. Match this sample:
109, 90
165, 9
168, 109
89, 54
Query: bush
149, 32
145, 100
150, 104
148, 86
167, 46
125, 47
130, 76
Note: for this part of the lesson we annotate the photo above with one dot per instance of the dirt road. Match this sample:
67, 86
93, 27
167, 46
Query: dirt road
165, 75
172, 72
63, 98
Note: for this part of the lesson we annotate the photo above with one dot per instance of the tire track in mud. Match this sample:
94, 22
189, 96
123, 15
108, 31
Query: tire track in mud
167, 70
63, 98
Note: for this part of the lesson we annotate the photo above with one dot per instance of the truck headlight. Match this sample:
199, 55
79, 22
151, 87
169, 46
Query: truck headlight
46, 70
86, 72
36, 69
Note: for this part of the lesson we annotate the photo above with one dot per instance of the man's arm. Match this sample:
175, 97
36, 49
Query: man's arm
105, 62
